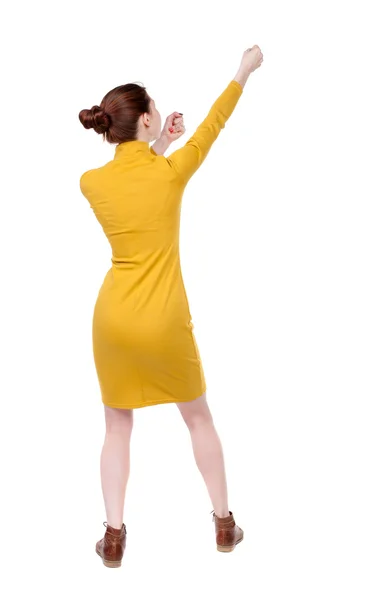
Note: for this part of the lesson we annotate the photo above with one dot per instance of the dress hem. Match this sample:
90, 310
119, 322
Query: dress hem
153, 402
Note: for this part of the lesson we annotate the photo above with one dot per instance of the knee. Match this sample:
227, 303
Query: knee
118, 420
197, 421
196, 413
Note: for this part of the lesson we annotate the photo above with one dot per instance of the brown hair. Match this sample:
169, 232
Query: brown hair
117, 116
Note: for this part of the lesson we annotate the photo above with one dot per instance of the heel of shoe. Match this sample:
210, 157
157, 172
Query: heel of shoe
225, 548
112, 563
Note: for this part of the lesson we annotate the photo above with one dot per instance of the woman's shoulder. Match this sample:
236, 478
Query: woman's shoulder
91, 177
85, 180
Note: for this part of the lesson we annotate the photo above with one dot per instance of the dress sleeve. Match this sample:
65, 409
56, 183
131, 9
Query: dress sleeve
187, 159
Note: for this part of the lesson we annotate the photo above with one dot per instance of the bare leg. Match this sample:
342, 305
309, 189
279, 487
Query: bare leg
115, 462
207, 450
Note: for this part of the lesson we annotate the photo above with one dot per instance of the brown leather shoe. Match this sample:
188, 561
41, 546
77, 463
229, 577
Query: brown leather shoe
227, 533
111, 548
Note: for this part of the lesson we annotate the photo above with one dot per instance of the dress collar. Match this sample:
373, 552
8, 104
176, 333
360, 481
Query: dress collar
131, 147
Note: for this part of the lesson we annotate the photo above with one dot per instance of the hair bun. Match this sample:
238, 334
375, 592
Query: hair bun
96, 118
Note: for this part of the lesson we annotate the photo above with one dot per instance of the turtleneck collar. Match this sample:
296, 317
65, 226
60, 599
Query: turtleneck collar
131, 147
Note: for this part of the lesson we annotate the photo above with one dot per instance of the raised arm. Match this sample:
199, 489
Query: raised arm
186, 160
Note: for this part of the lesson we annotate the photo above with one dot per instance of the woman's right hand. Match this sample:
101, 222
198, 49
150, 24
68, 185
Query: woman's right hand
252, 59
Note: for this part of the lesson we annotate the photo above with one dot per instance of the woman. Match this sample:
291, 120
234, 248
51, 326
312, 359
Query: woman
144, 347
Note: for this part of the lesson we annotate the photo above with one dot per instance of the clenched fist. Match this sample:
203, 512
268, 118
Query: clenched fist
174, 127
252, 59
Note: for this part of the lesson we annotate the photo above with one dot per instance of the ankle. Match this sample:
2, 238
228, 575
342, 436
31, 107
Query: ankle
221, 514
115, 524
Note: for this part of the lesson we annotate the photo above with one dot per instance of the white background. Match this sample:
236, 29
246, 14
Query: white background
281, 249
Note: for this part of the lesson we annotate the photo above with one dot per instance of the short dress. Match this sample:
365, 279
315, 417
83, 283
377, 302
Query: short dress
144, 347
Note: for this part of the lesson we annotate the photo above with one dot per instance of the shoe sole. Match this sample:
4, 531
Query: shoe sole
228, 548
117, 563
110, 563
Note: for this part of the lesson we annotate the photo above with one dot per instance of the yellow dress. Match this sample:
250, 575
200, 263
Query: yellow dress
144, 348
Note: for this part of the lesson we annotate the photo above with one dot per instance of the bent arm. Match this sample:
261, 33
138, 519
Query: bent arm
186, 160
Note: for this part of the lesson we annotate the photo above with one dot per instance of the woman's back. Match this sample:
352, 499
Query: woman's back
136, 198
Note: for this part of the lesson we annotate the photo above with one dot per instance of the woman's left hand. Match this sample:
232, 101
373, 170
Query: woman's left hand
173, 128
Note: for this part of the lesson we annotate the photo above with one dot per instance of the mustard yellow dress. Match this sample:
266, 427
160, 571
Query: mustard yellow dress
144, 348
